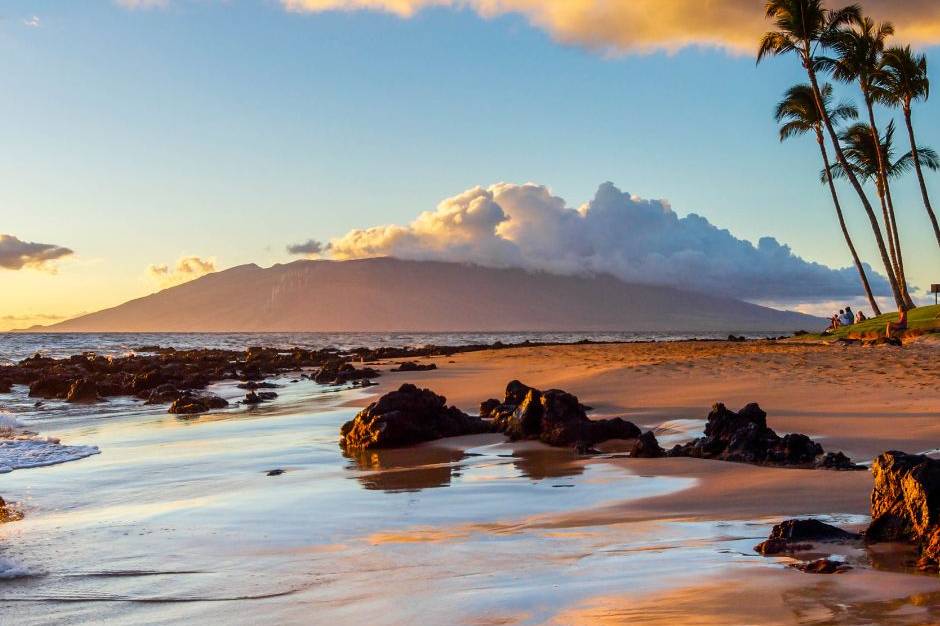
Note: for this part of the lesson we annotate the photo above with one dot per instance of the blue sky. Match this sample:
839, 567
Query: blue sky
230, 130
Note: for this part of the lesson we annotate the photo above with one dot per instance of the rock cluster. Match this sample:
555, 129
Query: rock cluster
411, 366
159, 375
405, 417
191, 403
794, 535
905, 503
744, 437
554, 417
340, 373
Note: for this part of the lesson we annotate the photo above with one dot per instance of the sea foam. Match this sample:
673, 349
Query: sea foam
20, 448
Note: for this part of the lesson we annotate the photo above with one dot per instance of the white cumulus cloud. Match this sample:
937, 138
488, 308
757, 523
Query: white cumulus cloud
636, 240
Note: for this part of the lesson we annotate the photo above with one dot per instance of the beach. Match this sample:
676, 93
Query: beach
177, 517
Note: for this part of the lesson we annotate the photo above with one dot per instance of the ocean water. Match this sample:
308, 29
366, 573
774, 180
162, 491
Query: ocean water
17, 346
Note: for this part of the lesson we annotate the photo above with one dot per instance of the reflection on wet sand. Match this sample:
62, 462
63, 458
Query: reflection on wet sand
405, 469
770, 599
432, 466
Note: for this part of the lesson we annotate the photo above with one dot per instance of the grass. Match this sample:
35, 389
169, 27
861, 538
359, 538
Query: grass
925, 319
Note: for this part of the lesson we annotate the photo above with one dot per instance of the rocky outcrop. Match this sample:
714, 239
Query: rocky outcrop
411, 366
554, 417
744, 437
794, 535
339, 373
405, 417
188, 403
647, 447
905, 503
50, 387
83, 390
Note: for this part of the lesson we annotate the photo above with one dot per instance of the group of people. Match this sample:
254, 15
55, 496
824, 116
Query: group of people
845, 317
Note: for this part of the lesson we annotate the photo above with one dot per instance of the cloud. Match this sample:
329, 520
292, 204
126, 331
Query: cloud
16, 254
637, 240
621, 26
187, 268
311, 247
47, 317
32, 22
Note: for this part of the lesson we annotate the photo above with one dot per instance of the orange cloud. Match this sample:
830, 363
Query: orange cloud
187, 268
624, 26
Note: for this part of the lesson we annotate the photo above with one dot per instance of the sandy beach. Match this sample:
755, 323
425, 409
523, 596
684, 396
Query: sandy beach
176, 518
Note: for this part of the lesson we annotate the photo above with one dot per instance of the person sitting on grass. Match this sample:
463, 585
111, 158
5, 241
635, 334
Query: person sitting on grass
899, 325
860, 317
848, 318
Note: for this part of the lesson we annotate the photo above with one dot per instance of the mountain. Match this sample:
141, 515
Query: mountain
387, 294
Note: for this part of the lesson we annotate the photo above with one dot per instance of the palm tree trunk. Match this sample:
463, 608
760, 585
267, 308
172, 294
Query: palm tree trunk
920, 174
887, 205
902, 280
845, 231
840, 157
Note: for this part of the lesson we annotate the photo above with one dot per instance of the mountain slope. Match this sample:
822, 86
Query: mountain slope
389, 294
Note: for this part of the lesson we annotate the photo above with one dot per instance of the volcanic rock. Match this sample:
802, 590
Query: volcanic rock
646, 447
744, 437
405, 417
554, 417
905, 503
411, 366
83, 390
188, 403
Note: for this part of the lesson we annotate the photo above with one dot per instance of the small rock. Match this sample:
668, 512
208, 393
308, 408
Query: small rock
188, 404
411, 366
822, 566
647, 447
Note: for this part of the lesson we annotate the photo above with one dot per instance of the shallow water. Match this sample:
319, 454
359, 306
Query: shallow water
176, 519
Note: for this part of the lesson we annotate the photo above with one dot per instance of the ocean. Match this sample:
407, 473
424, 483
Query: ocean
15, 346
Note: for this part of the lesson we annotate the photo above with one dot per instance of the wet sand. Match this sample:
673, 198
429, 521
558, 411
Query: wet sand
175, 519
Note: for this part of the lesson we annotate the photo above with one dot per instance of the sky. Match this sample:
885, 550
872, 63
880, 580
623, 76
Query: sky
147, 142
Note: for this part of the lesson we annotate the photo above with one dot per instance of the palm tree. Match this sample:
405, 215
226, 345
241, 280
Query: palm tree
875, 162
903, 79
858, 52
799, 115
802, 26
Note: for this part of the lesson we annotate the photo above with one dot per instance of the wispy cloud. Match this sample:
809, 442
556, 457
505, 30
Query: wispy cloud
16, 254
186, 269
626, 26
637, 240
32, 22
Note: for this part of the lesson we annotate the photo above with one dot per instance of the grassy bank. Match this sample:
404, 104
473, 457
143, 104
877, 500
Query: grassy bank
920, 320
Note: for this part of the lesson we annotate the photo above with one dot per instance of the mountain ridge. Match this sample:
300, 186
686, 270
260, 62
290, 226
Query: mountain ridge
388, 295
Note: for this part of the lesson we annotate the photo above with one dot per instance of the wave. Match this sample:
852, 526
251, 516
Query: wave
21, 449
